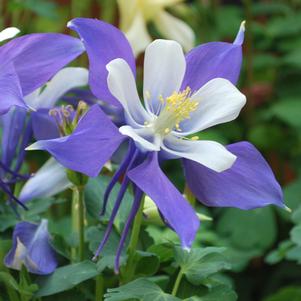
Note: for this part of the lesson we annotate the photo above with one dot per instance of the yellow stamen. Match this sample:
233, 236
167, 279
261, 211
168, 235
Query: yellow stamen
177, 107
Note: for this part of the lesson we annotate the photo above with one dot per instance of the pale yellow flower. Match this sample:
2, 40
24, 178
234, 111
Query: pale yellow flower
135, 14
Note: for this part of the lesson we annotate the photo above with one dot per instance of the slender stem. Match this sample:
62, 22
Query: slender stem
136, 230
99, 288
177, 283
78, 222
81, 224
130, 268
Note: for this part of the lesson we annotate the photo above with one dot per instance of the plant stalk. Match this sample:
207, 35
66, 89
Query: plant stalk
78, 222
99, 287
177, 283
130, 266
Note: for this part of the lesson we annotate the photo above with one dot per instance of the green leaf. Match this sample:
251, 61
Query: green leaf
293, 58
292, 293
199, 264
9, 280
141, 289
217, 293
294, 254
284, 26
164, 251
66, 277
287, 110
265, 136
94, 236
263, 8
7, 221
35, 208
253, 229
292, 195
296, 216
94, 192
280, 253
43, 8
296, 235
147, 264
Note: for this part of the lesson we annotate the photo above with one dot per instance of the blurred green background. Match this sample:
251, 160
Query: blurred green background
264, 245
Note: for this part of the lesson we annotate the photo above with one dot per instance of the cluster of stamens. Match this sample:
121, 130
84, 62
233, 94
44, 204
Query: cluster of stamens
66, 119
177, 107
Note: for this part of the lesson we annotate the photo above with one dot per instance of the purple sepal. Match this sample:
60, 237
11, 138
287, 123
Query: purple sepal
13, 124
10, 89
89, 147
103, 43
212, 60
37, 57
248, 184
176, 210
31, 248
44, 126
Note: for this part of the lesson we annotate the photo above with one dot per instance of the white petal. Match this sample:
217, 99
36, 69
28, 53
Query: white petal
122, 85
175, 29
65, 80
8, 33
20, 255
32, 99
219, 101
208, 153
143, 138
49, 180
164, 69
137, 34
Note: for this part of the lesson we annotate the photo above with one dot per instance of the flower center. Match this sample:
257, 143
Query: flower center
176, 108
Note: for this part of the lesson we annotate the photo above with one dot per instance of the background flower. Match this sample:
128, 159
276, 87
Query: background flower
136, 14
31, 248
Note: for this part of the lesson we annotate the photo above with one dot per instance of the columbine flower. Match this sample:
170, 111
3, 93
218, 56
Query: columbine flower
136, 14
18, 127
31, 248
28, 62
182, 95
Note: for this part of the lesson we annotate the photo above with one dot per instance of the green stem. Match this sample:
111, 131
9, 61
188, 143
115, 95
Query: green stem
78, 222
177, 283
130, 267
136, 230
99, 288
